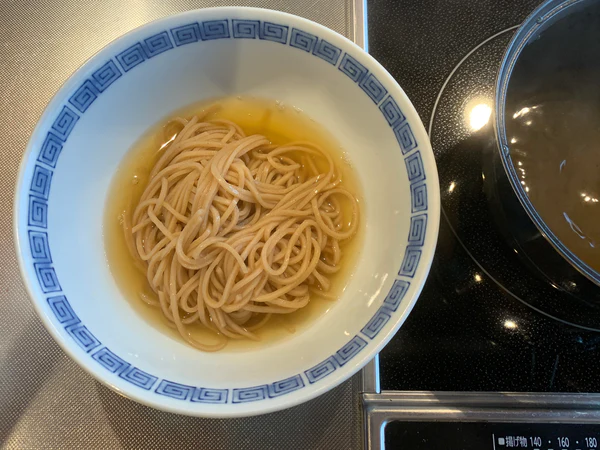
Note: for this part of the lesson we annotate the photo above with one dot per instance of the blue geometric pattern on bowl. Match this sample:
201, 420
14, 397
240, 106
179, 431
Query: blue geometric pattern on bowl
327, 52
273, 32
105, 75
214, 29
186, 34
139, 377
40, 182
303, 40
206, 395
117, 67
51, 149
245, 29
66, 120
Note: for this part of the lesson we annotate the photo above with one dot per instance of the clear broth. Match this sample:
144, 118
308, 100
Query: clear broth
280, 124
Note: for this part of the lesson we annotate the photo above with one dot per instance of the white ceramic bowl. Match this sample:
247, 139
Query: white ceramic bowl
132, 84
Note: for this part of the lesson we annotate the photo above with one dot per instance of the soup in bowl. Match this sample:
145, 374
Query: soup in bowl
226, 212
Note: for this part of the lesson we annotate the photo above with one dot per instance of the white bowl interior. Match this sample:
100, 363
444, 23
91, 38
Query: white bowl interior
148, 93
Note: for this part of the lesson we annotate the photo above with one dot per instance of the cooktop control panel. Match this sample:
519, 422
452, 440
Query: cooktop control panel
494, 436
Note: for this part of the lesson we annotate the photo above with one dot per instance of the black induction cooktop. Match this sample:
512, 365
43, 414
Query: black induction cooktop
482, 322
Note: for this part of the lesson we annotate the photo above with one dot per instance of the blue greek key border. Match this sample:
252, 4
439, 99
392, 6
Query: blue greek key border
115, 68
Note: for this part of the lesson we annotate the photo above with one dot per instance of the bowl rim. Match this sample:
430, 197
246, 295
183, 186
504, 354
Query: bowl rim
372, 347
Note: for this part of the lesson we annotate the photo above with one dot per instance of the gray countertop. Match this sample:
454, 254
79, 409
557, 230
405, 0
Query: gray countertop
46, 400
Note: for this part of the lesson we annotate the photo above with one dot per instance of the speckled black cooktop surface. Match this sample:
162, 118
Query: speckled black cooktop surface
477, 325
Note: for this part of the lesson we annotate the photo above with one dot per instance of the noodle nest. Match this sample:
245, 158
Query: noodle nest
232, 229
